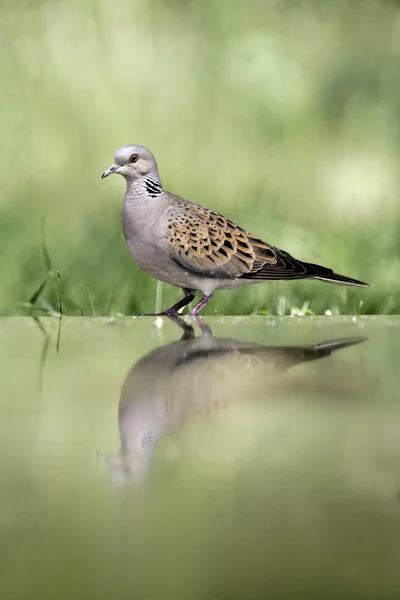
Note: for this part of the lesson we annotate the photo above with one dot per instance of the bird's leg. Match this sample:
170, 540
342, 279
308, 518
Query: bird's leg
173, 310
189, 296
200, 305
188, 329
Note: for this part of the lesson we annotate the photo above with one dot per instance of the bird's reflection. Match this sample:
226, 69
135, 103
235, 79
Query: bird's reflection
190, 380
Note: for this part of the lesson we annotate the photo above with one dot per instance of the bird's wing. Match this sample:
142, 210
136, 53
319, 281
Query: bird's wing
207, 243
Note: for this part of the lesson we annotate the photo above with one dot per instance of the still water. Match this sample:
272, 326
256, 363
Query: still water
261, 462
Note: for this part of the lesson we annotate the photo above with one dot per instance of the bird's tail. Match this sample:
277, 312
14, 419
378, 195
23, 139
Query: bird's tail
326, 274
338, 279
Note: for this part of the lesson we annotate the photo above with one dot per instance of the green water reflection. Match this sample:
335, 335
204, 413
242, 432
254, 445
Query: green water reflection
137, 464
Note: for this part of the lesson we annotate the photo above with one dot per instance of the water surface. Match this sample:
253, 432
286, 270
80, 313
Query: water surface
261, 462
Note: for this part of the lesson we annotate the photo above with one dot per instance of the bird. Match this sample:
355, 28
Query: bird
191, 380
194, 247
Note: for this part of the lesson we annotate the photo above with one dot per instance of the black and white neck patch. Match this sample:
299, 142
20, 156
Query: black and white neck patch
153, 187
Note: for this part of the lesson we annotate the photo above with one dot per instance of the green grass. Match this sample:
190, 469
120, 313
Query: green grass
282, 115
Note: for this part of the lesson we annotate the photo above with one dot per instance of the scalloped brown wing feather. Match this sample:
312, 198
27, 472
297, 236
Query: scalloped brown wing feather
208, 243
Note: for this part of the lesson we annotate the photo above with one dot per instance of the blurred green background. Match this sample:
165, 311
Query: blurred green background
283, 115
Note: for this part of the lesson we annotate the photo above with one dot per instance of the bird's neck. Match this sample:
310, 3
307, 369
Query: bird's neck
144, 198
145, 188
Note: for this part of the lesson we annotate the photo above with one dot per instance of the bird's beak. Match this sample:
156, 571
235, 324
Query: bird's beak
110, 171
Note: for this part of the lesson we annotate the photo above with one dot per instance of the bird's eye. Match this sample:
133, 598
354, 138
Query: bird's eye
133, 158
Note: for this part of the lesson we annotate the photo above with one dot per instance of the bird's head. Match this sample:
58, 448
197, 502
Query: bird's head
133, 162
